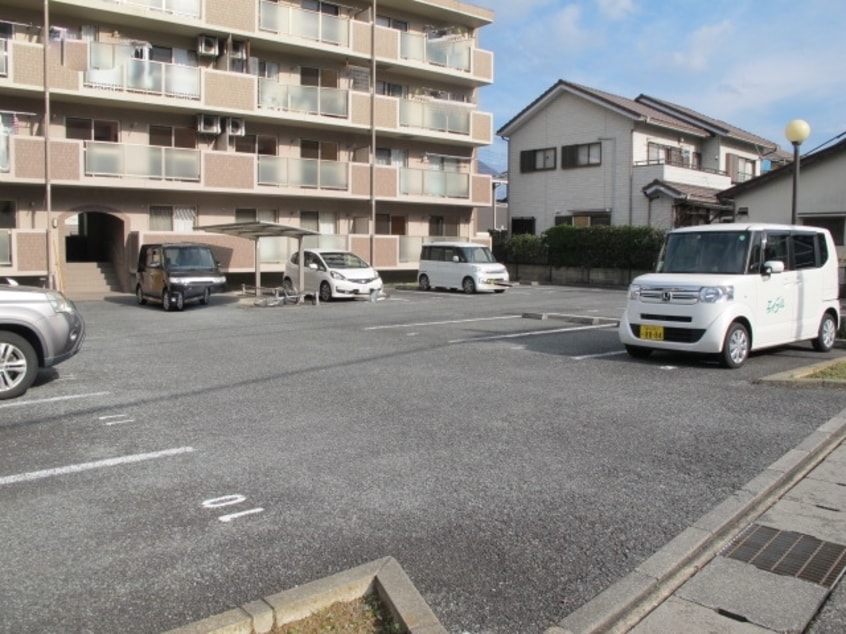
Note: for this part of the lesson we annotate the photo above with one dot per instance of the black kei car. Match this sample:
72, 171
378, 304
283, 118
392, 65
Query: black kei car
178, 273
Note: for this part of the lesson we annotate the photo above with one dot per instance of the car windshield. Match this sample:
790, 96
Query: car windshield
479, 254
188, 258
343, 260
705, 252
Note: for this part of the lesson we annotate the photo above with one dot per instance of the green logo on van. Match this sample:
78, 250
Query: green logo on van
775, 305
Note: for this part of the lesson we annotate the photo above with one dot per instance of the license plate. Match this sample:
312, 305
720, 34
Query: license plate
652, 333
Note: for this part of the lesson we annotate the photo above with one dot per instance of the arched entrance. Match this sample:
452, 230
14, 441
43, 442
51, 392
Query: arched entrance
94, 244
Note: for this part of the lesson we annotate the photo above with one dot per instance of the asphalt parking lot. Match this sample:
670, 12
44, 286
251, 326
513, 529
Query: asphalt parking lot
185, 463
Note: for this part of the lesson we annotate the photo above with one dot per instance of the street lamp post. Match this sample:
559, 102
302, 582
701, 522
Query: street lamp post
796, 131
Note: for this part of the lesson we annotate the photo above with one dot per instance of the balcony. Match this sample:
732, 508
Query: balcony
144, 76
141, 161
289, 21
329, 102
434, 116
4, 58
450, 52
5, 247
186, 8
280, 171
647, 171
434, 183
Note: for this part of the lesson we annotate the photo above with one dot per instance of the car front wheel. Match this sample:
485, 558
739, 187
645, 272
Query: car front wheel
735, 346
824, 341
139, 296
325, 292
204, 300
468, 285
423, 283
18, 365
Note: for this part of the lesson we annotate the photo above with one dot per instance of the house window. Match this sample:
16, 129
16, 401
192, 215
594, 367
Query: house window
321, 77
322, 7
389, 89
581, 155
7, 215
739, 168
255, 215
522, 226
323, 150
390, 156
391, 23
436, 226
537, 160
171, 218
310, 220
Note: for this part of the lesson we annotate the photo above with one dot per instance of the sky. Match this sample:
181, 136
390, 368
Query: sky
756, 64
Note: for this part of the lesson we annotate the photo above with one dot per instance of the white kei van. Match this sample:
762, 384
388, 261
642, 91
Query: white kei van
731, 288
461, 265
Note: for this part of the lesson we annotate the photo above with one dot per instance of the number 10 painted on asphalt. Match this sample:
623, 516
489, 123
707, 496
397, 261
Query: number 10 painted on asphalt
229, 500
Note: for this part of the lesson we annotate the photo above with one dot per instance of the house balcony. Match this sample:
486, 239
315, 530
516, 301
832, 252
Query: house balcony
290, 21
144, 76
647, 171
127, 166
4, 57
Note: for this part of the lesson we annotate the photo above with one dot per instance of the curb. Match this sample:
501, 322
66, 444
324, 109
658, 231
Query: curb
620, 607
385, 577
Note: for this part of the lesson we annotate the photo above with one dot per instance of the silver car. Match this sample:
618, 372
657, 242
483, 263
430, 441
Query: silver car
38, 329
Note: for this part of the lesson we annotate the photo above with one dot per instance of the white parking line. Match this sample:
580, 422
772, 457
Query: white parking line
52, 400
598, 355
441, 323
532, 333
87, 466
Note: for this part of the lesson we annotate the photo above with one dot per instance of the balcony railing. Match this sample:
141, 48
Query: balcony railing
448, 52
440, 184
303, 173
5, 247
331, 102
188, 8
141, 161
138, 75
434, 116
5, 142
680, 163
310, 25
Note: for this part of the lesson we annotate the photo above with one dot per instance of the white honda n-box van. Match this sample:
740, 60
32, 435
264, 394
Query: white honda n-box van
731, 288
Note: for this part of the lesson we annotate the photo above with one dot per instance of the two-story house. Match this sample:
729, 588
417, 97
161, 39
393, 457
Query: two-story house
138, 121
581, 156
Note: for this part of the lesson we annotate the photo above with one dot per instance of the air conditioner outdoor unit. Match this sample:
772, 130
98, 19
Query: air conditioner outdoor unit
235, 126
208, 124
208, 45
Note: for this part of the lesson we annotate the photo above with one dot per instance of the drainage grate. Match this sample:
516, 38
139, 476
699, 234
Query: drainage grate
790, 554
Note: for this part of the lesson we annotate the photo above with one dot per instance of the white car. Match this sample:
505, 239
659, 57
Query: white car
331, 274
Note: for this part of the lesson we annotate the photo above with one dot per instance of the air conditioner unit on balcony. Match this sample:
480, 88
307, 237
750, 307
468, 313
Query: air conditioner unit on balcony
239, 49
235, 127
208, 124
208, 46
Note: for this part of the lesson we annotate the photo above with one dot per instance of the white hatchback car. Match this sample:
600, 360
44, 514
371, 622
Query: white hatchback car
332, 273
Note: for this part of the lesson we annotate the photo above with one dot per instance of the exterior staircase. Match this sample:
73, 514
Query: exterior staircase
90, 280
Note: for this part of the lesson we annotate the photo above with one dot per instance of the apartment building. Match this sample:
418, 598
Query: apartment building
582, 156
132, 121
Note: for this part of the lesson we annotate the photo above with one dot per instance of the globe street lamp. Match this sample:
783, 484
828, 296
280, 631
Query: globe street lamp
796, 131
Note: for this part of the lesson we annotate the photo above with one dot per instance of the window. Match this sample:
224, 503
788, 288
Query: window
322, 7
537, 160
88, 129
740, 169
256, 144
521, 226
322, 77
581, 155
390, 156
171, 218
436, 226
310, 220
389, 89
323, 150
391, 23
7, 215
167, 136
804, 251
255, 215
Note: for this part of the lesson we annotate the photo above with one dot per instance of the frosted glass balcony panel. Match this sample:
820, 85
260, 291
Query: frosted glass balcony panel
181, 164
334, 175
182, 81
272, 170
334, 102
6, 246
103, 158
305, 24
457, 185
143, 161
144, 75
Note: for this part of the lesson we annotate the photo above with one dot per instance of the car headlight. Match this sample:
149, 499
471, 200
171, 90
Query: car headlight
59, 302
336, 276
714, 294
634, 291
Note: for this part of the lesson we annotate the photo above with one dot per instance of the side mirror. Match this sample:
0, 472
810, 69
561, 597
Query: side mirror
455, 258
773, 266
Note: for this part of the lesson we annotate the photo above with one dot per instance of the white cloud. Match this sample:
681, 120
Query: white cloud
616, 9
704, 42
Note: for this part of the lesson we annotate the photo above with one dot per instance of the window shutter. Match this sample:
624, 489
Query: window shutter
731, 166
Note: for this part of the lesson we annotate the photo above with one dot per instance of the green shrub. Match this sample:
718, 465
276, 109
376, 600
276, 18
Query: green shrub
526, 248
620, 247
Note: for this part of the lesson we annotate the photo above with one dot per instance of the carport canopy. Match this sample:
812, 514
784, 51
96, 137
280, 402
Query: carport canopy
260, 229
